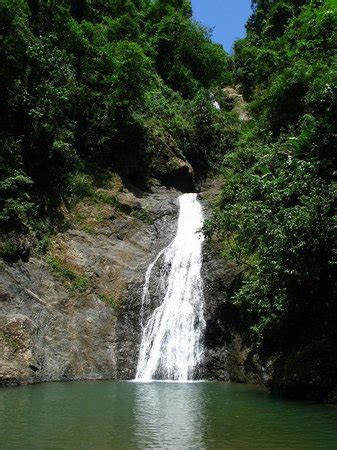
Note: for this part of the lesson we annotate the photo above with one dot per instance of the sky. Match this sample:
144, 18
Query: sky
227, 17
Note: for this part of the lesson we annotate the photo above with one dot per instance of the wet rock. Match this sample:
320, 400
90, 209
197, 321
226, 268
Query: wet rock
164, 207
78, 317
227, 357
218, 278
77, 313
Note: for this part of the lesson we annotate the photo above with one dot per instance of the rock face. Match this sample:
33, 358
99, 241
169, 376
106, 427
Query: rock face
227, 358
47, 335
239, 105
158, 236
55, 323
75, 314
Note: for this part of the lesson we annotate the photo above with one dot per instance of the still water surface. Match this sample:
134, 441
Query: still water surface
121, 415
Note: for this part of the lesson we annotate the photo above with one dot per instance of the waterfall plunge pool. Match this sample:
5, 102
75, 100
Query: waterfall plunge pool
122, 415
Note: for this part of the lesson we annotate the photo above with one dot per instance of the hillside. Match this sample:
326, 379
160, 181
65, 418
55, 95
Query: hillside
92, 88
110, 110
276, 211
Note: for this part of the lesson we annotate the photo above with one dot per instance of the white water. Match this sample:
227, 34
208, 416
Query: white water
171, 347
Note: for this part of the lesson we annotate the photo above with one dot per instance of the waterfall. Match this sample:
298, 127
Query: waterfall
171, 347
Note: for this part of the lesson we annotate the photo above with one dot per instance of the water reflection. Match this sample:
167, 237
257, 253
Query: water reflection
127, 416
170, 415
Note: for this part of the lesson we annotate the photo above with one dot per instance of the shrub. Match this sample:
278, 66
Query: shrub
74, 282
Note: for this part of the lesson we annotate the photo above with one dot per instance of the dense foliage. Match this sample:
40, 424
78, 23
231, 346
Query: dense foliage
276, 211
90, 85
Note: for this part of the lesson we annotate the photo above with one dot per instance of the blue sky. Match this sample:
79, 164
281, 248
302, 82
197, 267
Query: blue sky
227, 17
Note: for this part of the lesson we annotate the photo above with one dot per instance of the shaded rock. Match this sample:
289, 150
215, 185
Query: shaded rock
308, 373
168, 163
227, 357
220, 352
181, 175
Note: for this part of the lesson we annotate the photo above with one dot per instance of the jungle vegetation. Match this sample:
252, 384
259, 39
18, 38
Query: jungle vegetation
92, 86
276, 212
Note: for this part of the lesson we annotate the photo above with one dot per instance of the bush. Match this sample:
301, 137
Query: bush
85, 87
275, 214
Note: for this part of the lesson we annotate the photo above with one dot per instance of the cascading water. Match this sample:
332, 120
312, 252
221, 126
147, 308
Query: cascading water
171, 347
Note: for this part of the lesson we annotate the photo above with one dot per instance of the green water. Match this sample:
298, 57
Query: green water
119, 415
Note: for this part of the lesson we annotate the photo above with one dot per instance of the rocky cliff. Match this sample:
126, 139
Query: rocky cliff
75, 313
